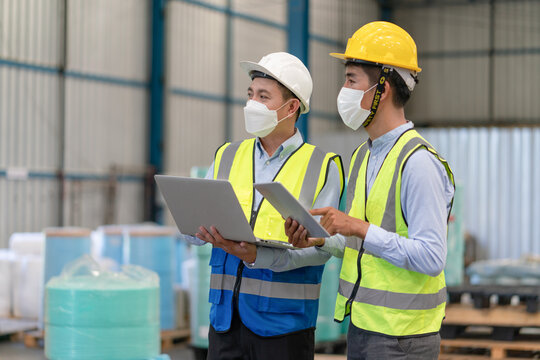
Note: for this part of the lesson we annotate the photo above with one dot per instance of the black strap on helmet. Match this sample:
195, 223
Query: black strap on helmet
385, 72
259, 74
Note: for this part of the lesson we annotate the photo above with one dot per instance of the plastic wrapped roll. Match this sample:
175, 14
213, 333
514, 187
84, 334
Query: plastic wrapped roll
95, 314
153, 247
27, 286
181, 255
112, 246
327, 329
199, 287
6, 261
63, 245
27, 243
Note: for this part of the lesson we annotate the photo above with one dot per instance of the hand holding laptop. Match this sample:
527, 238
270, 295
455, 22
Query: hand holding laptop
243, 250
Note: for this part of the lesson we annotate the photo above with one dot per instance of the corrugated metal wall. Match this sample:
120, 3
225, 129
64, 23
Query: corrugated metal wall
80, 110
498, 170
479, 61
107, 72
30, 48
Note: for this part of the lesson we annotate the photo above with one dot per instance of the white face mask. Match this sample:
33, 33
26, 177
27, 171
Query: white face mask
260, 121
349, 107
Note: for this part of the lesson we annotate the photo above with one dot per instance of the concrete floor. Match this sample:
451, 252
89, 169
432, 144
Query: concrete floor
17, 351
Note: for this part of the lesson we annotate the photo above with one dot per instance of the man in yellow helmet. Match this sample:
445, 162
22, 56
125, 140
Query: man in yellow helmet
392, 236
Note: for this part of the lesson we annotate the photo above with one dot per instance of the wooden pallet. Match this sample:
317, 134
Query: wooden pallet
34, 339
171, 337
505, 321
330, 357
497, 349
481, 295
15, 328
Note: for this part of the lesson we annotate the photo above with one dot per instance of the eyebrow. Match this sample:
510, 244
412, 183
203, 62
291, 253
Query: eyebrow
261, 91
350, 74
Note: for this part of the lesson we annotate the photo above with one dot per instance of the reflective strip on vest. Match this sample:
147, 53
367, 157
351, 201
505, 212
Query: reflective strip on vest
264, 288
391, 299
227, 159
309, 186
389, 218
353, 176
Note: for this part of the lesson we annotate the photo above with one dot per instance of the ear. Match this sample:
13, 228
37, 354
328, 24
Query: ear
387, 94
293, 106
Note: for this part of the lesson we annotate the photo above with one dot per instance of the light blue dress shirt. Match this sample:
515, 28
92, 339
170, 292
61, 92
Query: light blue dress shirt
426, 196
266, 168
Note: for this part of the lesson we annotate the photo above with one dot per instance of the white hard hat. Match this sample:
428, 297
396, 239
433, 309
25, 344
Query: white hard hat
289, 71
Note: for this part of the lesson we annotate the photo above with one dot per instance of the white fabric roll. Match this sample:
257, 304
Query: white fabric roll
6, 263
27, 243
27, 278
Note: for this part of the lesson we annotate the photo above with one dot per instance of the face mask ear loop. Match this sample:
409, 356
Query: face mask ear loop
288, 116
385, 71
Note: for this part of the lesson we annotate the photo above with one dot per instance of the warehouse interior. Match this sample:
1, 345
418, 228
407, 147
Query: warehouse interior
97, 97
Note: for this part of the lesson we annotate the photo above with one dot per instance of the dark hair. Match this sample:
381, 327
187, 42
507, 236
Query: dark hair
287, 95
402, 93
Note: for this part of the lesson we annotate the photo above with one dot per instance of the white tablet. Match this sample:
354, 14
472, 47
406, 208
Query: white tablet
288, 206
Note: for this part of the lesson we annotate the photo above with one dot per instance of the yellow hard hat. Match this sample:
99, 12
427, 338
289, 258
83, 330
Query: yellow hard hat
383, 43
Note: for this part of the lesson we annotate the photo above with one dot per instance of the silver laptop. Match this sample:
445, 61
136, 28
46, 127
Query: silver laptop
203, 202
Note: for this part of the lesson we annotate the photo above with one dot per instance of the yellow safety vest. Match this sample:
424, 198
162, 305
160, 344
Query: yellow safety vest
379, 296
304, 174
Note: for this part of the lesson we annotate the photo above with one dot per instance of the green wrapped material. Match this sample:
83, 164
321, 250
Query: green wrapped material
95, 314
134, 342
198, 172
327, 329
454, 269
199, 288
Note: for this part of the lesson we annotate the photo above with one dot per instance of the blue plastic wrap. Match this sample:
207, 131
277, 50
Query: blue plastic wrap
525, 271
95, 314
63, 245
182, 254
153, 247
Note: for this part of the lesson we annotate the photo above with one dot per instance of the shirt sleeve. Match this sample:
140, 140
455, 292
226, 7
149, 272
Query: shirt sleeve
334, 245
284, 259
426, 199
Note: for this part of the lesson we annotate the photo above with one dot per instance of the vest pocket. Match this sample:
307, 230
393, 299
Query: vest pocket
281, 306
217, 259
217, 262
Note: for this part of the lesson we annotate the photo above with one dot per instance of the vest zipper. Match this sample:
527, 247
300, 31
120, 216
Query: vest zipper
357, 284
236, 289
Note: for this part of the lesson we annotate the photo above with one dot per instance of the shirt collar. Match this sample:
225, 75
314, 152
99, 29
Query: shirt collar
286, 148
388, 138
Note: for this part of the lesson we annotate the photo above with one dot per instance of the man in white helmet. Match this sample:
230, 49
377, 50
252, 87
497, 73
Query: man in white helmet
392, 237
258, 313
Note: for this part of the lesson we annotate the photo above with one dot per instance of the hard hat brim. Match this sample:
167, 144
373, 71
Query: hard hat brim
339, 56
345, 57
250, 66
